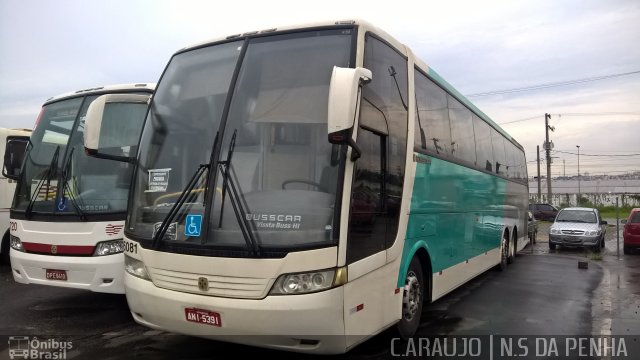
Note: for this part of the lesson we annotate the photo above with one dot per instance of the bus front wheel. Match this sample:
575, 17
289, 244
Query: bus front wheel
4, 250
412, 300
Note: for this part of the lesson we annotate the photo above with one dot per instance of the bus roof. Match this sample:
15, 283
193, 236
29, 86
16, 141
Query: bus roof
14, 132
380, 33
306, 26
148, 87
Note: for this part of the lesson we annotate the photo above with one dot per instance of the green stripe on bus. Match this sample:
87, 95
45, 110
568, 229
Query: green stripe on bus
456, 213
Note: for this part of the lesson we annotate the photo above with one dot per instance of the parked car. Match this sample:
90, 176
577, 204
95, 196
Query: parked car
543, 211
631, 234
532, 227
578, 226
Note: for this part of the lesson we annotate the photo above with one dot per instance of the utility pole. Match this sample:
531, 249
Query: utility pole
564, 169
539, 189
547, 147
579, 194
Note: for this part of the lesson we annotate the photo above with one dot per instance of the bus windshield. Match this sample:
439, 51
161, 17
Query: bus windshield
57, 175
272, 174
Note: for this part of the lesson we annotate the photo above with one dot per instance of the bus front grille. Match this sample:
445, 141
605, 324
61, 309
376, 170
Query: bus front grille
216, 285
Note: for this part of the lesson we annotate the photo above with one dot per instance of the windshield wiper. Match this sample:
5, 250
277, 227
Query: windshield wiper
65, 186
164, 225
46, 178
237, 201
166, 222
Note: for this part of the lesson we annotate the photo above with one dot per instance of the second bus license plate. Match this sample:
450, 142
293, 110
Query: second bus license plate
203, 316
53, 274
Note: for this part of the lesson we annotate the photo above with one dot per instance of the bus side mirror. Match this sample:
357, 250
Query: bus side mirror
14, 156
102, 138
344, 100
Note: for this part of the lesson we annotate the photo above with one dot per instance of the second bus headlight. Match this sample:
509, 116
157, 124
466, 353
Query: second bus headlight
109, 247
309, 282
15, 243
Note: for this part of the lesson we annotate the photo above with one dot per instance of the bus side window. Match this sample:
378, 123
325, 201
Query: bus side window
382, 136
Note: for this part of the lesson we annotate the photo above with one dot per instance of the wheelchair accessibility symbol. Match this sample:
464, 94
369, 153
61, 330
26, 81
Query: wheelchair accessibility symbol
192, 225
62, 203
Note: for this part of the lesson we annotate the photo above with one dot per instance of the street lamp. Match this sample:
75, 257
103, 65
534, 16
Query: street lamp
578, 146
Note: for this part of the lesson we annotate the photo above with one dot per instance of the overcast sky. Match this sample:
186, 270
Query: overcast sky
52, 47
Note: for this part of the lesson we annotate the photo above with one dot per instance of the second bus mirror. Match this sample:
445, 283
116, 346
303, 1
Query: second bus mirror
344, 95
113, 124
14, 156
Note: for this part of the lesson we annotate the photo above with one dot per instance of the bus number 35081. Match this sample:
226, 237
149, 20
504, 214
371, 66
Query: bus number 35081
131, 247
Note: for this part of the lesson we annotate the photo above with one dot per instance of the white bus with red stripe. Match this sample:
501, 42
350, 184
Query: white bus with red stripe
68, 211
15, 141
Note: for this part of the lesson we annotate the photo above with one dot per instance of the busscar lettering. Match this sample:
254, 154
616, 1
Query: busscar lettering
276, 221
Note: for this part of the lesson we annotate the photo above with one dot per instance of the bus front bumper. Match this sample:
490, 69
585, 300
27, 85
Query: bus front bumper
95, 273
310, 323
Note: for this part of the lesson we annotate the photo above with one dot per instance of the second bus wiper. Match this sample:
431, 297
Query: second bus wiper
46, 178
65, 187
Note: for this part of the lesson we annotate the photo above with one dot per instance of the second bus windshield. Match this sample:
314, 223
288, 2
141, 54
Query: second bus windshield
59, 178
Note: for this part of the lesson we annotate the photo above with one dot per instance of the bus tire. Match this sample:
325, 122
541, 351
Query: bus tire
4, 255
514, 247
412, 300
504, 253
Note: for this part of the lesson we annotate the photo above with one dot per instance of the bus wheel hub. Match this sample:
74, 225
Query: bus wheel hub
411, 296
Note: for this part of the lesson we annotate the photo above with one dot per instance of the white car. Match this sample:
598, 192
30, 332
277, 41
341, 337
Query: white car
578, 226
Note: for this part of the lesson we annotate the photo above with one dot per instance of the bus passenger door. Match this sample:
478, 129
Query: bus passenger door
371, 300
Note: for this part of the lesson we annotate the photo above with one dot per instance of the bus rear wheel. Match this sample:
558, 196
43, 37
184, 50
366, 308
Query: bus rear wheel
513, 248
412, 300
504, 253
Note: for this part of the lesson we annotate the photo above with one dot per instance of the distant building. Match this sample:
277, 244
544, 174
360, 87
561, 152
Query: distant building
598, 190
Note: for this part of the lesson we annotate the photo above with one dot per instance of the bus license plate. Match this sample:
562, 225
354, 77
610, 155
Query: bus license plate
53, 274
202, 316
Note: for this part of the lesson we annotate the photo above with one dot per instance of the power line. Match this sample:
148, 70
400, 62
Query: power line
551, 85
599, 114
609, 155
623, 151
573, 114
515, 121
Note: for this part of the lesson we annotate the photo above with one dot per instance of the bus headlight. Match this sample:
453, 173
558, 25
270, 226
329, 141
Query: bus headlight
309, 282
135, 267
109, 247
15, 243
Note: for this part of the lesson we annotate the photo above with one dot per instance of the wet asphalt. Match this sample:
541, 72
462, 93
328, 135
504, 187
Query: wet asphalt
543, 292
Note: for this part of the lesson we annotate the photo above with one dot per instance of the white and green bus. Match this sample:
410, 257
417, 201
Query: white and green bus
314, 185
